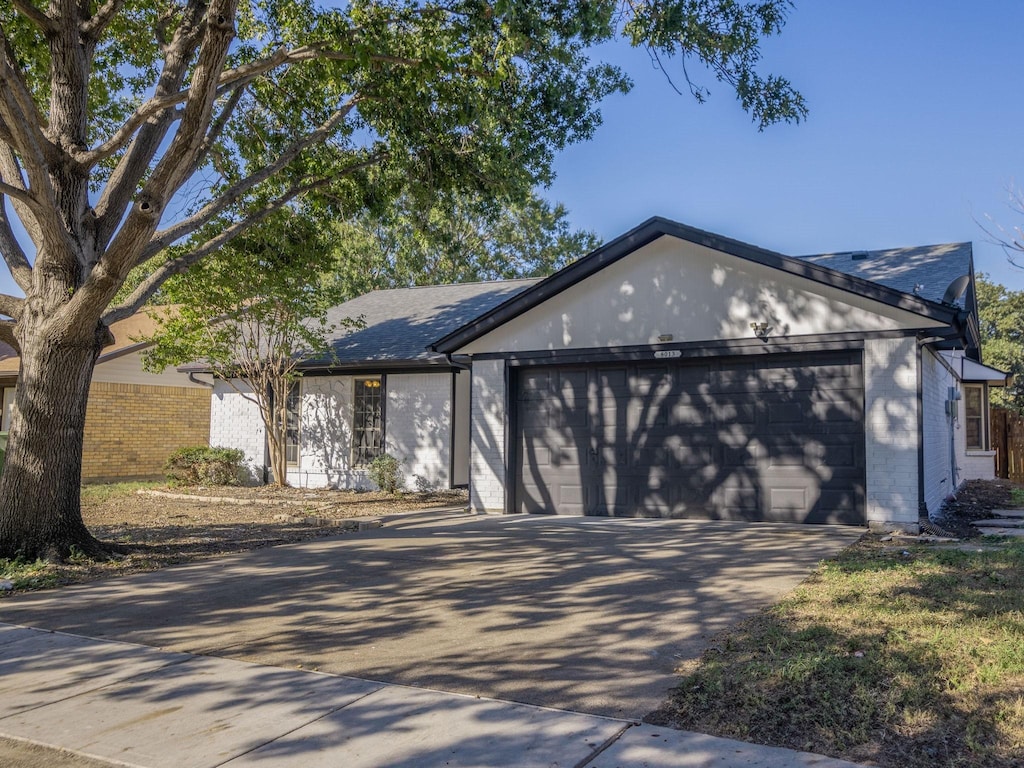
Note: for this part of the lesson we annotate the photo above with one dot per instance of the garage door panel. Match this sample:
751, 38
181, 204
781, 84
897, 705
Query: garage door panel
728, 411
840, 455
792, 455
782, 413
770, 438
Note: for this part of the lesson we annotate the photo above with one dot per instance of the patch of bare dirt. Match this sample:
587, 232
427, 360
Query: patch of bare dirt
975, 500
197, 521
157, 527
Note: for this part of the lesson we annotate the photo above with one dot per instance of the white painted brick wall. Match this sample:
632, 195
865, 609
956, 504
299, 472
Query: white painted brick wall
935, 383
890, 375
416, 431
487, 459
235, 423
418, 427
974, 465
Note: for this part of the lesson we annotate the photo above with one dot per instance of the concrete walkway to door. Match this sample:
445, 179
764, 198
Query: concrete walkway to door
584, 614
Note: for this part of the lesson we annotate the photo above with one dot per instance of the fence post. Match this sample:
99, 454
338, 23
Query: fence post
997, 421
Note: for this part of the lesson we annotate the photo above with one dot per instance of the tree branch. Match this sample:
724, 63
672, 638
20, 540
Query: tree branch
124, 134
218, 126
7, 335
11, 171
231, 195
145, 290
36, 16
18, 110
174, 166
13, 254
133, 166
229, 81
16, 193
104, 15
11, 306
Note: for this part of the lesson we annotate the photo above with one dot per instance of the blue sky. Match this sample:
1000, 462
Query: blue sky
915, 130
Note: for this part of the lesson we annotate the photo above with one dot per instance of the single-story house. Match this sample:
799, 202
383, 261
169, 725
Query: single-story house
378, 390
672, 372
135, 418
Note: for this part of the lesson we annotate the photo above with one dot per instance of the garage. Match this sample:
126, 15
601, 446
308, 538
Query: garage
774, 437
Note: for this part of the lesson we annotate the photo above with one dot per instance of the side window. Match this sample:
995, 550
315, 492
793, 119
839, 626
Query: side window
292, 409
974, 417
367, 421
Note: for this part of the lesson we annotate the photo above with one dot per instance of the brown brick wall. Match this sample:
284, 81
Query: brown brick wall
131, 429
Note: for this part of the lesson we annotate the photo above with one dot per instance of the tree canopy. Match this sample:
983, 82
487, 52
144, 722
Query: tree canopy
167, 128
1001, 321
455, 239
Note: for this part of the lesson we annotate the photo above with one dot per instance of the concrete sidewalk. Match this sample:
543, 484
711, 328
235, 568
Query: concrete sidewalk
138, 706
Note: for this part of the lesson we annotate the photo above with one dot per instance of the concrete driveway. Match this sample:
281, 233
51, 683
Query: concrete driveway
585, 614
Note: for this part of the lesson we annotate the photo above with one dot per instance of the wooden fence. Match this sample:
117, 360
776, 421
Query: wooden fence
1008, 443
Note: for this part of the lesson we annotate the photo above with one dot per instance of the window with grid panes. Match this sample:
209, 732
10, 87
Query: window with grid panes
974, 417
367, 421
291, 438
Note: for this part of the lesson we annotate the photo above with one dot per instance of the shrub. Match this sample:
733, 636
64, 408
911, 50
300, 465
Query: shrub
386, 472
200, 464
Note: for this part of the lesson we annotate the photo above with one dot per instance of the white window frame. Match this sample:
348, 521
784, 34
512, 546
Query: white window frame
981, 418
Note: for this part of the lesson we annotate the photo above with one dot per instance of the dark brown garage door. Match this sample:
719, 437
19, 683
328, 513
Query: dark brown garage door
776, 437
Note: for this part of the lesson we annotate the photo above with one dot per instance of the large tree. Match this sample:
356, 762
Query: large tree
454, 238
1001, 318
126, 128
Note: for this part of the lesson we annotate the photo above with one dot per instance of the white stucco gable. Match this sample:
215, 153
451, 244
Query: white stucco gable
693, 293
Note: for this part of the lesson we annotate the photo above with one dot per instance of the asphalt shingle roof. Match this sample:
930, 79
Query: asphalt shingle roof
401, 322
924, 271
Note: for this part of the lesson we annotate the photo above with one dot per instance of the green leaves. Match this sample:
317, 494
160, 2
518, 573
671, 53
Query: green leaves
461, 97
1001, 323
455, 239
258, 301
724, 36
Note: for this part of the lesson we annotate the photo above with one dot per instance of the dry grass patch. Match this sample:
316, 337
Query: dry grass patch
156, 531
910, 657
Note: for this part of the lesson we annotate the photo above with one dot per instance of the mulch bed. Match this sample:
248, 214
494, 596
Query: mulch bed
974, 501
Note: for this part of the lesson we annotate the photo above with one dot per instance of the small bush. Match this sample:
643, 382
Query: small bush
202, 465
386, 472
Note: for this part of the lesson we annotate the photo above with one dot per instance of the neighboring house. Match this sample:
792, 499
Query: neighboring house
377, 391
135, 418
672, 372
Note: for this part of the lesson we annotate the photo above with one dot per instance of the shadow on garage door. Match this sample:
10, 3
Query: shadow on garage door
773, 438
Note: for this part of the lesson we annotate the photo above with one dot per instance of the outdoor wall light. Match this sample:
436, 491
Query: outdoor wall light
762, 330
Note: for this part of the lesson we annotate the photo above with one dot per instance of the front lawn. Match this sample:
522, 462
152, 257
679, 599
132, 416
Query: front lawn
902, 655
155, 526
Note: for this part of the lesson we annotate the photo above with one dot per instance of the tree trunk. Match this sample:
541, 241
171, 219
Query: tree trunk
276, 436
40, 488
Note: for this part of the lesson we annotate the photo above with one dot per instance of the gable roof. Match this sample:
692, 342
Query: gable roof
400, 323
806, 267
925, 270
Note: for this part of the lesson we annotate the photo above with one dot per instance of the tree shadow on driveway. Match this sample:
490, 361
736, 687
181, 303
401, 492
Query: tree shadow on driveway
586, 614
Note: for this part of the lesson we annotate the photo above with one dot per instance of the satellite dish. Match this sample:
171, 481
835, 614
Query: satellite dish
956, 290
